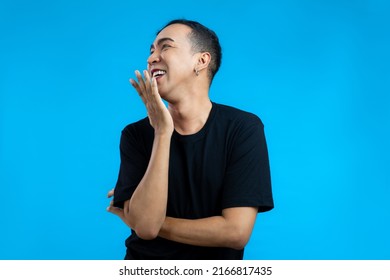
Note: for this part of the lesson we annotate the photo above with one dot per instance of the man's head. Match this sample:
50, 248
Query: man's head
202, 40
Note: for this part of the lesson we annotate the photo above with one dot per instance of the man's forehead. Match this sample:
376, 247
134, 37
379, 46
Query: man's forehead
176, 32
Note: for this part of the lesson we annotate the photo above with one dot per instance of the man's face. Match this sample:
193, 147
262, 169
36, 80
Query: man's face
172, 61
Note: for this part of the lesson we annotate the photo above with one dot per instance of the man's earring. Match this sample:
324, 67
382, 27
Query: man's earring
196, 72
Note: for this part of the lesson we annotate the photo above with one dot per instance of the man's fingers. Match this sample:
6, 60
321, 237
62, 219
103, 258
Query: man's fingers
147, 79
115, 210
110, 193
118, 212
138, 89
143, 86
154, 87
141, 81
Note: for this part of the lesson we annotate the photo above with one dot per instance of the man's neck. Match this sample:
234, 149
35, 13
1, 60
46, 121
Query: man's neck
189, 116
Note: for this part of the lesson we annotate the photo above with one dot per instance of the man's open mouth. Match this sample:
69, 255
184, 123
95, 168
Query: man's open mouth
158, 73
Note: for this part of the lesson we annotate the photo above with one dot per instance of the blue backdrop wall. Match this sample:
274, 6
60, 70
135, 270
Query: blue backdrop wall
316, 72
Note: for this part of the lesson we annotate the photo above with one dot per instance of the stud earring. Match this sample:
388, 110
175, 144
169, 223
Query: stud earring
196, 72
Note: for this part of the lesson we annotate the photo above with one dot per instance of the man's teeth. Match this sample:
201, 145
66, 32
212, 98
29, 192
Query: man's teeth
158, 73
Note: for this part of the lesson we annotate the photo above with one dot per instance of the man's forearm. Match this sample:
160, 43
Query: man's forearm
207, 232
231, 230
146, 209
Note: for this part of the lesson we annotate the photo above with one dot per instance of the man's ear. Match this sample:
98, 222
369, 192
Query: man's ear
203, 61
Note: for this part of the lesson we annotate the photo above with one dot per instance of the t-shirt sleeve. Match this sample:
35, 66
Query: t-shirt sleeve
248, 182
132, 165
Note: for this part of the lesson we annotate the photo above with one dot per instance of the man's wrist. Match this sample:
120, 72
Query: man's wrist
163, 134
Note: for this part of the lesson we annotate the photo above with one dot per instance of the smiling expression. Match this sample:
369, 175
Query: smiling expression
172, 61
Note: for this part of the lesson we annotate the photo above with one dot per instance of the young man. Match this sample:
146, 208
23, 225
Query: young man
193, 175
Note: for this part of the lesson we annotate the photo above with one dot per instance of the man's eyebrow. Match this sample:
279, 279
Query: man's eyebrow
161, 40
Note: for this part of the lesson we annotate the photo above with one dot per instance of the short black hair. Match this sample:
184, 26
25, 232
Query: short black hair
203, 40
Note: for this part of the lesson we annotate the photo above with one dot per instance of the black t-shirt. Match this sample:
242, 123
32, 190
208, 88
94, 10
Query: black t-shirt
223, 165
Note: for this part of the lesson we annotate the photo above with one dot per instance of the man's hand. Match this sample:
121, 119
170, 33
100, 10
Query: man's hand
115, 210
159, 116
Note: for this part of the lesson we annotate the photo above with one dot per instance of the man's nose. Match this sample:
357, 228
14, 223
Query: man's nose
153, 58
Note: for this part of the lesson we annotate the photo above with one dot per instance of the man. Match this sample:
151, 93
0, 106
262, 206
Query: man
193, 175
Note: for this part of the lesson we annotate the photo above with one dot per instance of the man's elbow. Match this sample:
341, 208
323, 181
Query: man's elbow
146, 233
144, 228
238, 239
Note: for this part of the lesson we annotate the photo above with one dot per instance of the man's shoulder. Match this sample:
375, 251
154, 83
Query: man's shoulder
139, 128
234, 114
139, 124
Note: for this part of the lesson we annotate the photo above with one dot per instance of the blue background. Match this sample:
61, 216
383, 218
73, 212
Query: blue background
316, 72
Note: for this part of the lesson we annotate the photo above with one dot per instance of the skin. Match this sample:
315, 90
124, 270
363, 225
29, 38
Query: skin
188, 108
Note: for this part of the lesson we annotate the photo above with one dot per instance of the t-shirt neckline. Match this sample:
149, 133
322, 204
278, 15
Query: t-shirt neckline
201, 132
